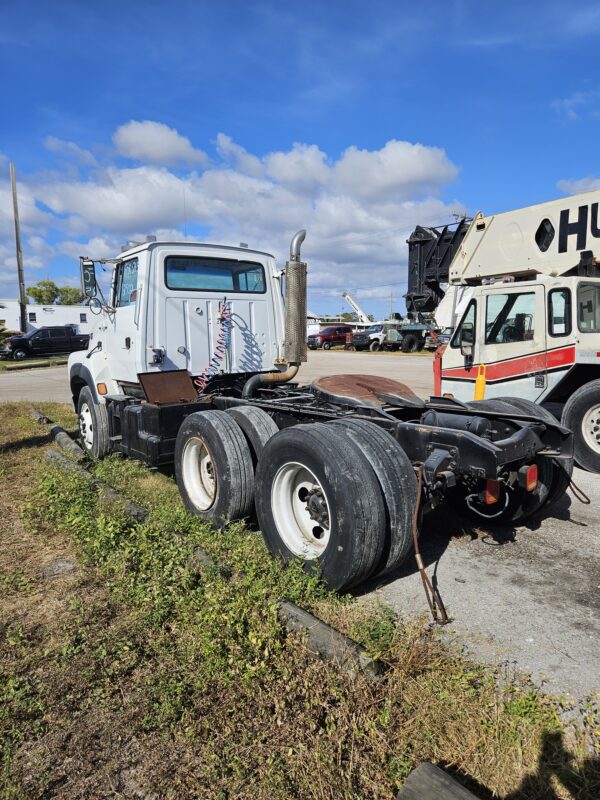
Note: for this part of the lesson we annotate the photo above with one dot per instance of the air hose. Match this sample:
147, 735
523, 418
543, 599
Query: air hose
221, 347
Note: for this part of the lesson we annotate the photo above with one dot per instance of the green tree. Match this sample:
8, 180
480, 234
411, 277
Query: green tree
47, 293
69, 296
44, 292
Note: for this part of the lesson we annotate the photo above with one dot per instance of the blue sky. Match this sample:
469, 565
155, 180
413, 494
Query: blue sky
239, 121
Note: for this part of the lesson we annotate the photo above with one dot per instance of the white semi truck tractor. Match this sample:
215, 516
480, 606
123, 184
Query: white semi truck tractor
192, 362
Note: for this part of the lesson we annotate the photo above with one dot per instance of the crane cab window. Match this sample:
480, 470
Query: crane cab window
588, 307
559, 312
126, 286
510, 318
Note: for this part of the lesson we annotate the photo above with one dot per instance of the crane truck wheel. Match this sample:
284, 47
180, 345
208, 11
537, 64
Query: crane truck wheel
213, 467
375, 346
562, 468
398, 484
93, 424
318, 500
256, 425
582, 415
410, 343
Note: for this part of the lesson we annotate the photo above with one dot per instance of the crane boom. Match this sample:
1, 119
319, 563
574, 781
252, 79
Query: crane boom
560, 237
362, 317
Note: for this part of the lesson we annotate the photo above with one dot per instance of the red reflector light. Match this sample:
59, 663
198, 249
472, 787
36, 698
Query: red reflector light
492, 492
531, 478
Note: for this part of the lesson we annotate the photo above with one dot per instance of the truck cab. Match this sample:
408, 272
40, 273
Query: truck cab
525, 296
204, 308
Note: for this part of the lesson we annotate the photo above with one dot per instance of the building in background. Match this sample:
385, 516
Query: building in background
39, 316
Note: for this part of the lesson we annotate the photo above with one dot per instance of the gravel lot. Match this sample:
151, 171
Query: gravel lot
529, 597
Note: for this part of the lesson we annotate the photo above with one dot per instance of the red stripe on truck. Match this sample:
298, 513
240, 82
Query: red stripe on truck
515, 367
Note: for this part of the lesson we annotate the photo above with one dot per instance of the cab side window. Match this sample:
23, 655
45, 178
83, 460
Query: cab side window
510, 318
126, 286
465, 332
559, 312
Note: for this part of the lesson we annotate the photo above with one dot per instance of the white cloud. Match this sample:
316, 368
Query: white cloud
576, 186
358, 209
156, 143
70, 150
577, 105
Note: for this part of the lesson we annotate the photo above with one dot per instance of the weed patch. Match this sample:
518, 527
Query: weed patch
162, 675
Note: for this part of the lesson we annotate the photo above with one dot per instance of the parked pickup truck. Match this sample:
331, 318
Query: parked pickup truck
330, 336
46, 341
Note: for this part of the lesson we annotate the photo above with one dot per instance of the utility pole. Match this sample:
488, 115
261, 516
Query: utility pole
20, 274
391, 304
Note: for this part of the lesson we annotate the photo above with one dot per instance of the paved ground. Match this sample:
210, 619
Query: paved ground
530, 597
51, 384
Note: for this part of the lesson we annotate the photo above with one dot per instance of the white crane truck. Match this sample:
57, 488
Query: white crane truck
525, 288
192, 362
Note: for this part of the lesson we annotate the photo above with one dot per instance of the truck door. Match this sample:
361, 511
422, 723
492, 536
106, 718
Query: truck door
40, 342
514, 348
119, 345
459, 371
58, 340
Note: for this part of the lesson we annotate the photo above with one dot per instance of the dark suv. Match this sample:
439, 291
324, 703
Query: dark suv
330, 336
46, 341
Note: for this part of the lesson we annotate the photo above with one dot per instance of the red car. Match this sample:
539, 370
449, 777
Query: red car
330, 336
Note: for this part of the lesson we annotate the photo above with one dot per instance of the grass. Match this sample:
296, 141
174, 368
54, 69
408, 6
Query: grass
48, 361
143, 674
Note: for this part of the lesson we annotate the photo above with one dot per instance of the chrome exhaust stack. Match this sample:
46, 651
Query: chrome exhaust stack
295, 346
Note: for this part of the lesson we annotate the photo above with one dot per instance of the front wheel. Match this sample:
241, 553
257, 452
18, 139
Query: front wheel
93, 424
410, 343
326, 345
582, 415
19, 354
374, 346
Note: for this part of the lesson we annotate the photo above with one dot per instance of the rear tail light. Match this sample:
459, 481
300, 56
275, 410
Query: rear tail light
528, 478
492, 492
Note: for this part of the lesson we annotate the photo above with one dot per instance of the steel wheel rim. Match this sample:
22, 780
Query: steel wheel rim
198, 473
590, 428
301, 511
86, 426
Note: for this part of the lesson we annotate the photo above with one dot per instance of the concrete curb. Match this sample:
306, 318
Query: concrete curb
106, 492
329, 643
20, 367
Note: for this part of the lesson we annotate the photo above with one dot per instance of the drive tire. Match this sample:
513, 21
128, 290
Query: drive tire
410, 343
256, 425
213, 468
342, 535
326, 345
93, 424
375, 346
19, 354
399, 487
582, 415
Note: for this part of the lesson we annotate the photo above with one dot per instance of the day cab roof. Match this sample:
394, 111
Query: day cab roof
238, 251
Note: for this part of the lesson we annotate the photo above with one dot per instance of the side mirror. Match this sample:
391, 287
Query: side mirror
466, 342
88, 277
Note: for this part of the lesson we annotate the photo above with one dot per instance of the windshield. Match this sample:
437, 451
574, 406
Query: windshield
588, 305
375, 329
